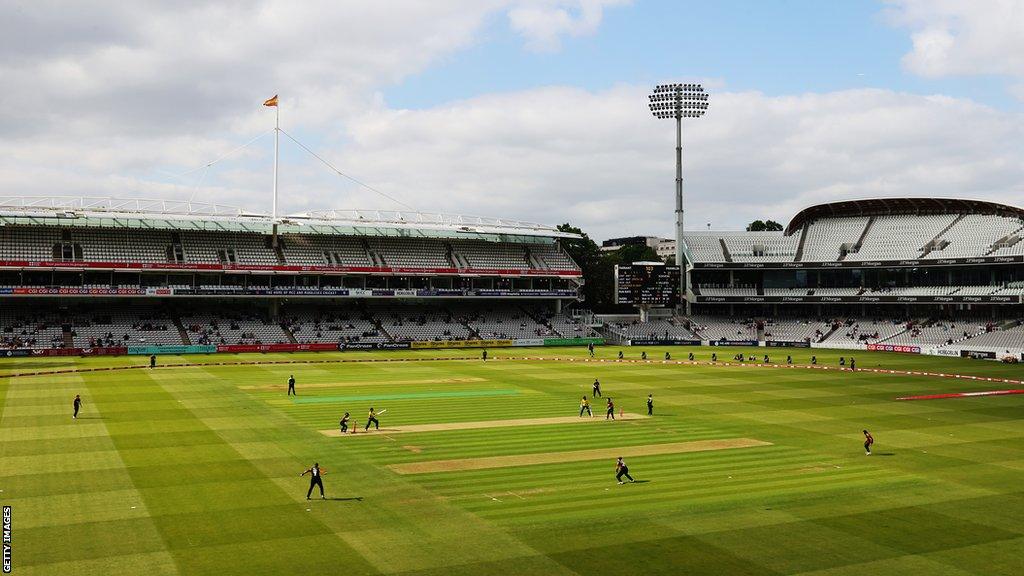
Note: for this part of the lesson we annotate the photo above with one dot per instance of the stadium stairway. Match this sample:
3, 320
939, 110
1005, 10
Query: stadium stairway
725, 250
1006, 241
936, 242
287, 332
69, 340
860, 241
181, 330
800, 247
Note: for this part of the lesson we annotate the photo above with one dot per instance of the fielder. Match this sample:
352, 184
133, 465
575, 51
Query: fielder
315, 480
622, 470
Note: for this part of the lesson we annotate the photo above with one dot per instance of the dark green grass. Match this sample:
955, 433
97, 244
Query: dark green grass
182, 470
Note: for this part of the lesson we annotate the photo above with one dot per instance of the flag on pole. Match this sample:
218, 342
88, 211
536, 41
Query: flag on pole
271, 101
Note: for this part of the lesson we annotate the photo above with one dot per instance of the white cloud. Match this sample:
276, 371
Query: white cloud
600, 161
544, 22
953, 38
105, 101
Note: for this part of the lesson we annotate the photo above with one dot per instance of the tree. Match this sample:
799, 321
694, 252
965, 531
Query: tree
764, 226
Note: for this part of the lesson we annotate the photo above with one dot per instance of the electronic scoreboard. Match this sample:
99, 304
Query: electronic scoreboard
647, 284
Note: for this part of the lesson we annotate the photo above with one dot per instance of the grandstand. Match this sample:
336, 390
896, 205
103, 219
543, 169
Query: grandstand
909, 272
921, 274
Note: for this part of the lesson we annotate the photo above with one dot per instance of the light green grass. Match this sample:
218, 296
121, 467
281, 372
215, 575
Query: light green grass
183, 470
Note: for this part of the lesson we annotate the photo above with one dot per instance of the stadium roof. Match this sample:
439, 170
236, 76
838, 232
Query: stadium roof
885, 206
186, 215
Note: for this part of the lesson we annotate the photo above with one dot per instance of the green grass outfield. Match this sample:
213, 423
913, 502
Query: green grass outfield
195, 469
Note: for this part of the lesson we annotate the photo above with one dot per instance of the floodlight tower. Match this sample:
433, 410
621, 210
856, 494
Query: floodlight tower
679, 101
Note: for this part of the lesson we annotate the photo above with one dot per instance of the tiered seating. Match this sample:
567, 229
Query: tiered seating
761, 247
705, 247
795, 330
728, 291
27, 242
974, 234
506, 323
865, 331
836, 291
24, 328
715, 328
122, 244
233, 327
314, 250
203, 247
553, 256
313, 324
939, 333
566, 326
827, 235
654, 329
406, 323
1006, 339
420, 253
124, 325
491, 255
900, 236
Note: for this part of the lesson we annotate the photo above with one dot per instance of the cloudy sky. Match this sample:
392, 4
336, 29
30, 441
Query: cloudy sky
528, 109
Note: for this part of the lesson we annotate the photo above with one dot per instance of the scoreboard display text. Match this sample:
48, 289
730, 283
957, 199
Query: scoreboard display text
648, 285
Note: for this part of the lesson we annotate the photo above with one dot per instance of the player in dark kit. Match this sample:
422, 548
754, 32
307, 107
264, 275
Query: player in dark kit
611, 410
590, 348
714, 357
585, 407
622, 470
291, 385
485, 355
650, 405
343, 423
152, 360
620, 354
597, 388
853, 363
868, 441
315, 480
78, 405
668, 356
643, 355
372, 419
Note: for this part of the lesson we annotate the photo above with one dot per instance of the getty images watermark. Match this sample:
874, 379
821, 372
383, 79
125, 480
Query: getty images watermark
7, 539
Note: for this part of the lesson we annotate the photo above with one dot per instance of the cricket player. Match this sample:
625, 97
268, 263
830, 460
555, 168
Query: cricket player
853, 363
690, 357
597, 388
714, 357
343, 423
315, 479
611, 410
372, 420
590, 348
650, 404
668, 356
152, 360
291, 385
585, 407
484, 356
643, 355
78, 406
814, 360
789, 359
620, 354
622, 470
868, 441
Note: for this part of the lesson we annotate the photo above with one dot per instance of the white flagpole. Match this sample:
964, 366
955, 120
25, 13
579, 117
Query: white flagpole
277, 134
